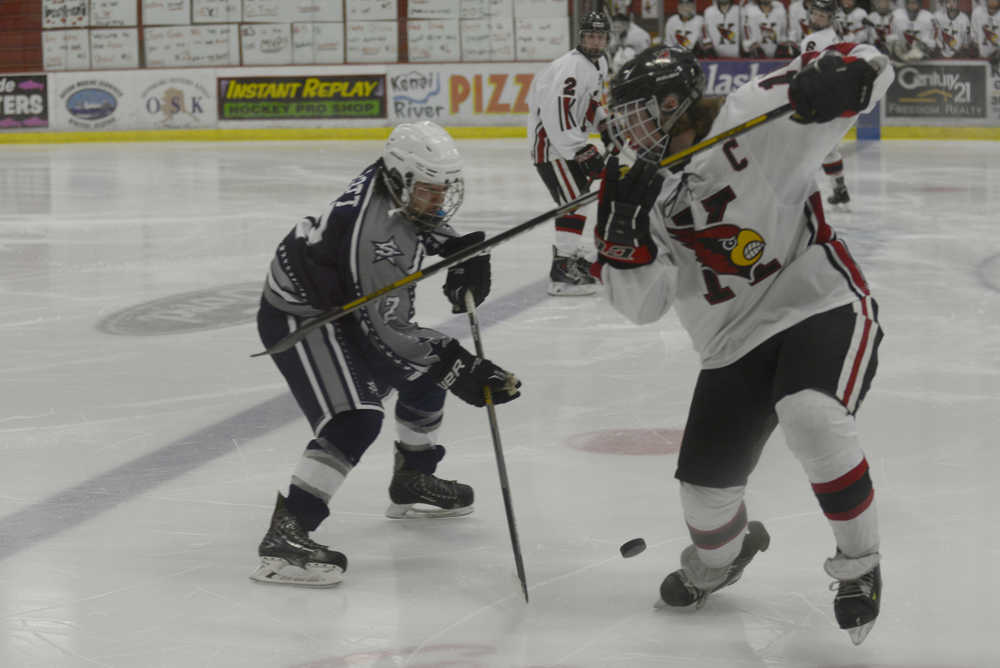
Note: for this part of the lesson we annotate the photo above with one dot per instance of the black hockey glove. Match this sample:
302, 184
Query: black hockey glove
590, 159
465, 375
622, 232
473, 274
608, 137
830, 86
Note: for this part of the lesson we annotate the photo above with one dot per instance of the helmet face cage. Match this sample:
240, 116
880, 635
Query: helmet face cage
650, 94
686, 9
423, 172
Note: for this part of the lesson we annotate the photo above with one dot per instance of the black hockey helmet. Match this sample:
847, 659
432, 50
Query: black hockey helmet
825, 6
650, 93
593, 23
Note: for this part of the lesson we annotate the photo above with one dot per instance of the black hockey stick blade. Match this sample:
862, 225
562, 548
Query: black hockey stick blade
338, 312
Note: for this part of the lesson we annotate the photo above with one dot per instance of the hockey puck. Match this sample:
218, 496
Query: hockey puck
630, 548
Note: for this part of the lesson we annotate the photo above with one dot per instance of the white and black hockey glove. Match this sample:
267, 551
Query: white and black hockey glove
474, 274
590, 159
622, 231
465, 376
831, 86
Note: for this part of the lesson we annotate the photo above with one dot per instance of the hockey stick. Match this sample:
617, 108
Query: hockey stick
515, 543
338, 312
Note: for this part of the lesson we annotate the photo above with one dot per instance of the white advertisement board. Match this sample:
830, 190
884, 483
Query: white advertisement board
487, 94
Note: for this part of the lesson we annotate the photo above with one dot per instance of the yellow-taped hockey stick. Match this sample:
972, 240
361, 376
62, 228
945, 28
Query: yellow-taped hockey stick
338, 312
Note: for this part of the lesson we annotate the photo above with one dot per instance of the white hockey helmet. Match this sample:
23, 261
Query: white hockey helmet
423, 171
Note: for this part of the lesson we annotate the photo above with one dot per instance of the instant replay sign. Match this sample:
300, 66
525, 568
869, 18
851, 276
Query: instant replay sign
937, 90
305, 97
224, 306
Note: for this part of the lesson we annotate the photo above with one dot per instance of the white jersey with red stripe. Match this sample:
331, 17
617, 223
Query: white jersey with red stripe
685, 34
921, 29
954, 33
853, 25
724, 29
565, 105
985, 31
880, 27
798, 22
819, 40
744, 248
764, 30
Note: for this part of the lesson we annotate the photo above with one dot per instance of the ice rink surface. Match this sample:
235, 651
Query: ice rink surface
142, 448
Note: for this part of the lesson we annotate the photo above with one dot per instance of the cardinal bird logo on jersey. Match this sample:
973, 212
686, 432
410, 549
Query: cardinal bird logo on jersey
768, 33
990, 35
682, 38
725, 249
949, 38
727, 33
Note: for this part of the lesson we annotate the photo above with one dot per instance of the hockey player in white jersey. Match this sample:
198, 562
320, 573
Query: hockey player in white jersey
686, 28
823, 33
798, 23
765, 29
853, 22
627, 39
380, 229
913, 33
724, 28
879, 23
986, 32
735, 240
954, 32
565, 103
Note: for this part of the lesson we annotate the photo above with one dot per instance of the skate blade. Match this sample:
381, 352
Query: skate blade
274, 570
568, 290
410, 511
859, 633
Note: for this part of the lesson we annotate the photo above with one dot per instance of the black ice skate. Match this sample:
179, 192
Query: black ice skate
288, 556
840, 196
415, 491
570, 275
678, 590
859, 593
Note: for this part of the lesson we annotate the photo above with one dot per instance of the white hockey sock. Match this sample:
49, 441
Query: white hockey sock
824, 438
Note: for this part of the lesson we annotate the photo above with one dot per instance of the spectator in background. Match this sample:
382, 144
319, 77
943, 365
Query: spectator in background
853, 22
686, 29
954, 31
798, 23
627, 39
723, 26
986, 32
880, 24
912, 36
765, 29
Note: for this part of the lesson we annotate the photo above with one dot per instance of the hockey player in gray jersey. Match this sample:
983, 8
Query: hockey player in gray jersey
735, 240
377, 232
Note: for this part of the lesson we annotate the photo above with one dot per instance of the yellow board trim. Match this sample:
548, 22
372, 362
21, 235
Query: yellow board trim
237, 134
459, 132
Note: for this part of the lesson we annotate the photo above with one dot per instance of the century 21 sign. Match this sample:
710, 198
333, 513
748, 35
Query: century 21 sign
491, 94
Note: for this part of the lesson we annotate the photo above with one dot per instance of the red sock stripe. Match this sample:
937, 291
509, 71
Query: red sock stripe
833, 168
844, 481
716, 538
